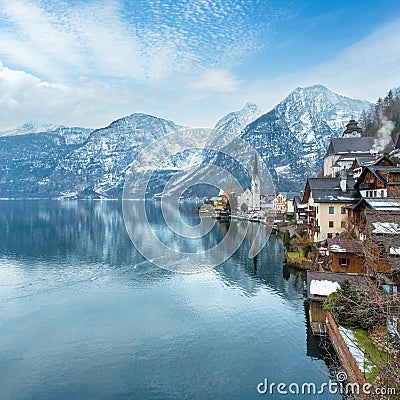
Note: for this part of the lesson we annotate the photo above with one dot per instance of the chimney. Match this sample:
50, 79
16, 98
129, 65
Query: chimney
343, 181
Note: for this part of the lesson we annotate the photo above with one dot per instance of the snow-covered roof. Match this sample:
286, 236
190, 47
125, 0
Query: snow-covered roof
342, 245
350, 145
386, 228
394, 251
337, 249
323, 287
382, 204
322, 284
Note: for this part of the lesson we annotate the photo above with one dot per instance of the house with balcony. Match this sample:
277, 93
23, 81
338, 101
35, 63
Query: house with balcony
356, 212
376, 221
361, 162
382, 245
327, 200
300, 209
379, 181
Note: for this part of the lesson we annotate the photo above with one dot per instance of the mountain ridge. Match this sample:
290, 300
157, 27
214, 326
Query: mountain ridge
65, 162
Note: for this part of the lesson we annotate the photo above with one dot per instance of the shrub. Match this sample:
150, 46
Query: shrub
351, 307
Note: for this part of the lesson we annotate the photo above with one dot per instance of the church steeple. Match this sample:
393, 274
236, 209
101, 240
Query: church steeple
352, 130
255, 166
255, 186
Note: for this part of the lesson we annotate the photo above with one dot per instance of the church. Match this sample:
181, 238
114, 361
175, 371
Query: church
250, 200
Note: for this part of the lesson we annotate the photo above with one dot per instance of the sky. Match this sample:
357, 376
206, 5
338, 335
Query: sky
87, 63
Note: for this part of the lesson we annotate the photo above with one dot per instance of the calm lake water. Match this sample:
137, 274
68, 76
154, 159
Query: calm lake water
84, 316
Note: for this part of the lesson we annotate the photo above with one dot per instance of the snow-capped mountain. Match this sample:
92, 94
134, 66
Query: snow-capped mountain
236, 121
72, 135
293, 137
57, 161
71, 162
30, 128
98, 166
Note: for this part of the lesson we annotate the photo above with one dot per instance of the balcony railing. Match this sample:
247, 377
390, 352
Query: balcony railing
311, 213
376, 259
364, 186
312, 227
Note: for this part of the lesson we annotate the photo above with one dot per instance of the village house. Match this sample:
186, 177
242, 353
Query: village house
342, 151
382, 241
376, 221
266, 204
346, 255
356, 215
221, 202
379, 181
300, 209
327, 199
361, 162
282, 203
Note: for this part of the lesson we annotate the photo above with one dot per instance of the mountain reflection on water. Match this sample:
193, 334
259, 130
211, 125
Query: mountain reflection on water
84, 315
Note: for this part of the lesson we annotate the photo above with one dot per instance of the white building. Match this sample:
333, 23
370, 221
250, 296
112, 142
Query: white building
252, 198
343, 151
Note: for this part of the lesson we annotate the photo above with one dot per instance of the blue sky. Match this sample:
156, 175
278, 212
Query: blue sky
87, 63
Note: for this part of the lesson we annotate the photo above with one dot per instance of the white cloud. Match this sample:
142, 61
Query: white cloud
89, 102
170, 59
149, 41
217, 80
85, 102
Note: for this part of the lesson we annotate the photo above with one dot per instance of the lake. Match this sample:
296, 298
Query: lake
84, 316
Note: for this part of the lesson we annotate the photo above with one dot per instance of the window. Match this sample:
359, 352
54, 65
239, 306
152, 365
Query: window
329, 235
330, 224
331, 210
343, 210
344, 261
343, 224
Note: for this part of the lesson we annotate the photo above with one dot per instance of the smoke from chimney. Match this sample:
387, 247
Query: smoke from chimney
384, 132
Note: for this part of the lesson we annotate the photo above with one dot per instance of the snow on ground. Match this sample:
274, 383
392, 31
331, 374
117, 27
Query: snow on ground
284, 169
355, 351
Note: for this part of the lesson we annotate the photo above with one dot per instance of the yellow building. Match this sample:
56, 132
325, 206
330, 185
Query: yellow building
221, 203
327, 199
